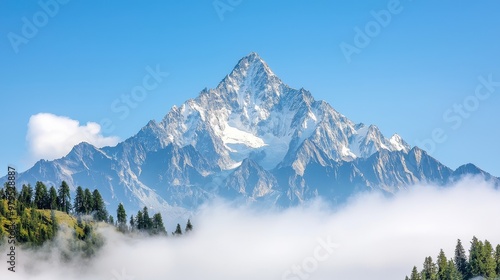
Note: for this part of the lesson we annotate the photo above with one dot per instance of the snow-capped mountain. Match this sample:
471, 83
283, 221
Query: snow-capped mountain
252, 138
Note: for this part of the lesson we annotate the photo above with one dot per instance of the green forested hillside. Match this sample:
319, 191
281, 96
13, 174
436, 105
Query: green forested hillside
39, 213
483, 261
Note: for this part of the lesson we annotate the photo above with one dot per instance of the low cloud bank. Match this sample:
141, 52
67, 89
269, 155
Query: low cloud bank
372, 237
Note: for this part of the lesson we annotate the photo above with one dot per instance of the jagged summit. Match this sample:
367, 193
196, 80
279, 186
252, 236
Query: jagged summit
251, 75
253, 114
253, 60
251, 65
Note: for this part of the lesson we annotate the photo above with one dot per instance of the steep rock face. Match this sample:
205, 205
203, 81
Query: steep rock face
251, 181
393, 170
251, 139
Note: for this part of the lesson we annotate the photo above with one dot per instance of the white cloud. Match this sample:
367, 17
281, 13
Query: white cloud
50, 136
377, 237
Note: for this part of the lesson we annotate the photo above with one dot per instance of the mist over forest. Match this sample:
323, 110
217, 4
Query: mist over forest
371, 237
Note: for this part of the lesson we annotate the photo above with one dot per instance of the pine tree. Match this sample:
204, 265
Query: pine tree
111, 220
497, 259
41, 196
88, 202
99, 208
148, 224
87, 231
26, 195
189, 226
430, 271
442, 263
460, 259
158, 227
132, 222
415, 275
79, 201
140, 221
488, 260
178, 230
121, 217
476, 265
53, 198
64, 197
452, 272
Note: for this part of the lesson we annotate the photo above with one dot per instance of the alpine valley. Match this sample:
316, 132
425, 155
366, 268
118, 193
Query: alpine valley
252, 139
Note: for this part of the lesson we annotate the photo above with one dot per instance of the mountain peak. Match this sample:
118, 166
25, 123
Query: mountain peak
252, 138
253, 56
82, 146
399, 144
251, 59
252, 65
251, 73
468, 168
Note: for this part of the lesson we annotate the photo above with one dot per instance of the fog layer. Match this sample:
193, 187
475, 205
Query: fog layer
372, 237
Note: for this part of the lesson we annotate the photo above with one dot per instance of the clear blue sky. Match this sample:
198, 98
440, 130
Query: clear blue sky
427, 58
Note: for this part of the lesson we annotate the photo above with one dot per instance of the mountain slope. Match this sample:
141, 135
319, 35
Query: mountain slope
254, 139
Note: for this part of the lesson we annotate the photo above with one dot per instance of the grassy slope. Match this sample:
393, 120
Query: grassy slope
62, 218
